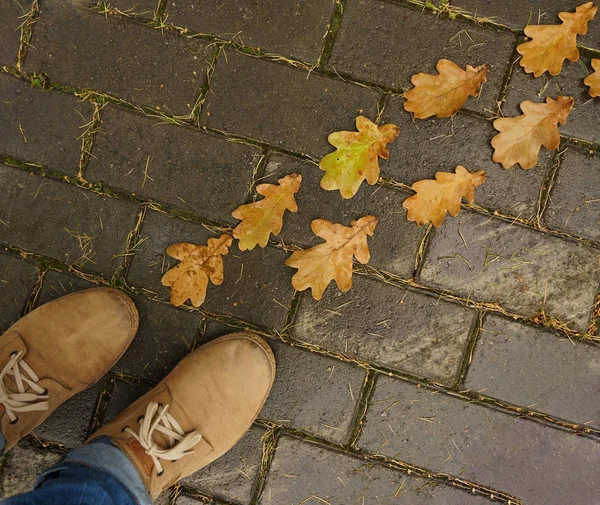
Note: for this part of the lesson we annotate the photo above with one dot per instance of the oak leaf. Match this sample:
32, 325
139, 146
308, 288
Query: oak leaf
436, 197
593, 80
356, 157
199, 264
260, 219
550, 45
444, 94
332, 260
521, 137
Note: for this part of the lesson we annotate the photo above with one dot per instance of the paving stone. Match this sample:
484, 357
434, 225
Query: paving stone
186, 500
10, 14
231, 477
296, 111
583, 121
130, 61
439, 145
518, 13
523, 270
17, 278
555, 375
397, 328
144, 8
64, 222
574, 204
257, 287
185, 169
165, 336
311, 392
23, 465
121, 396
377, 43
538, 464
295, 29
69, 424
57, 284
301, 471
396, 241
41, 127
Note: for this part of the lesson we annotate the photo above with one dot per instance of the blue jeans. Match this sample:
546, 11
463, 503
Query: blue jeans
95, 474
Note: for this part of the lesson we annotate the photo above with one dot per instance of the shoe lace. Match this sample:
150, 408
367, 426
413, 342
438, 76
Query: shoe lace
157, 418
21, 401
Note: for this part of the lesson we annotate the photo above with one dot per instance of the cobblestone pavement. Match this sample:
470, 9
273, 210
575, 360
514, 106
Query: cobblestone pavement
463, 368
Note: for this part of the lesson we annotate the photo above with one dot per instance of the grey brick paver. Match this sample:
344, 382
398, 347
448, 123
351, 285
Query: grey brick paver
583, 120
401, 329
41, 127
518, 13
56, 284
180, 167
84, 49
523, 270
396, 241
64, 222
528, 366
295, 29
303, 473
257, 286
425, 147
574, 205
145, 8
17, 278
122, 394
10, 14
186, 500
377, 43
282, 106
311, 392
538, 464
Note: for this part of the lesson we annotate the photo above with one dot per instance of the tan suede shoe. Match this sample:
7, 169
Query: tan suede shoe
58, 350
198, 412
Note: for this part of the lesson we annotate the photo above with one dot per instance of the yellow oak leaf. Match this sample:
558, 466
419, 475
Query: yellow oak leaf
436, 197
521, 137
444, 94
550, 45
332, 260
593, 80
260, 219
199, 264
356, 157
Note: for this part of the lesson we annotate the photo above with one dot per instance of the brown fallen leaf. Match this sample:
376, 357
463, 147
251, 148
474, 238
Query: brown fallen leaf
436, 197
260, 219
593, 80
444, 94
199, 263
332, 260
521, 137
550, 45
356, 156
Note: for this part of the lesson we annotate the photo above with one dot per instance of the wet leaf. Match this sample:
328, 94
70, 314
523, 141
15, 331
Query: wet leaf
550, 45
261, 218
593, 80
332, 260
356, 157
521, 138
199, 264
444, 194
444, 94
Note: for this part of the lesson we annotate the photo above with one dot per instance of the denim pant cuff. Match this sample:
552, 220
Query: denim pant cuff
102, 455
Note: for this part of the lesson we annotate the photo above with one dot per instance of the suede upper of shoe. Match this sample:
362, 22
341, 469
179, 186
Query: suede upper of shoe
217, 391
70, 343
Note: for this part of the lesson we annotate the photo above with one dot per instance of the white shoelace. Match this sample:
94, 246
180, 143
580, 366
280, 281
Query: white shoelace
180, 443
35, 399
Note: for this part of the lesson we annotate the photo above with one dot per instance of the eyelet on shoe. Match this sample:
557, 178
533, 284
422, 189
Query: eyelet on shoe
124, 428
14, 353
160, 473
139, 419
15, 421
44, 392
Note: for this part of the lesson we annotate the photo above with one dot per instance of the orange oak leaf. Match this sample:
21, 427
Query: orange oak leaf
593, 80
550, 45
199, 264
260, 219
332, 260
444, 94
436, 197
356, 157
521, 137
